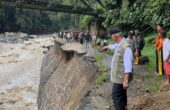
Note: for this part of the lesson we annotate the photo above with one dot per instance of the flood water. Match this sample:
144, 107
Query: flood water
20, 65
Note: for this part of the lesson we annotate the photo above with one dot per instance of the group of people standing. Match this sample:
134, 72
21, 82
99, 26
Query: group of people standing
68, 36
122, 62
162, 47
137, 43
83, 37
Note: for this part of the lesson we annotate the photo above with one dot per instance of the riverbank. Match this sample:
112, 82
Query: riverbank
146, 91
20, 64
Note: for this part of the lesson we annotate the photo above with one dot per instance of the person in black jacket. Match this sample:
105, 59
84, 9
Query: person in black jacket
87, 39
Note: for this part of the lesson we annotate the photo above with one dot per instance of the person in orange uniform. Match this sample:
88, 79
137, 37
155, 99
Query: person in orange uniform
158, 44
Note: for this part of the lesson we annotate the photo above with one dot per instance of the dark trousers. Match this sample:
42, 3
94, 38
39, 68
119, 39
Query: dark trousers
119, 96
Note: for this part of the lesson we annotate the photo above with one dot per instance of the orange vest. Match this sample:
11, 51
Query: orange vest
158, 43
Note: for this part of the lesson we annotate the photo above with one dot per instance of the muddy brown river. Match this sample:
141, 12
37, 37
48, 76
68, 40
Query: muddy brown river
20, 66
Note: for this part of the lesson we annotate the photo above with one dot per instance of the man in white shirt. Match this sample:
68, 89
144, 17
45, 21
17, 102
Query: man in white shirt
121, 68
69, 38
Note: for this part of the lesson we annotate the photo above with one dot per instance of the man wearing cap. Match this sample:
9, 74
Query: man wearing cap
121, 68
130, 41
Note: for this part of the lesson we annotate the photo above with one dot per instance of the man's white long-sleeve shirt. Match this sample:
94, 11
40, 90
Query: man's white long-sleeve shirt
127, 57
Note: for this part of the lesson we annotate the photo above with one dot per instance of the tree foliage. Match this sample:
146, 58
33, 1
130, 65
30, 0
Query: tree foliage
126, 14
137, 14
34, 21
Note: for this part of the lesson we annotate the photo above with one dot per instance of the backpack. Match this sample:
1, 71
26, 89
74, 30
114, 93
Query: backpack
144, 60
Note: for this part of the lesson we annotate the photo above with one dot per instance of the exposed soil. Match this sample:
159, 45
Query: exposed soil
139, 98
20, 63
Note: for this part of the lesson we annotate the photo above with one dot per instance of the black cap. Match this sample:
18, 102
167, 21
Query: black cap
130, 33
114, 31
160, 24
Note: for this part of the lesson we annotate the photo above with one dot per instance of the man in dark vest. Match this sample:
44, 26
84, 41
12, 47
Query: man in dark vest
121, 68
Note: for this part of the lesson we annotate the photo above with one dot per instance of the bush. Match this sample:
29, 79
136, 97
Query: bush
103, 70
102, 77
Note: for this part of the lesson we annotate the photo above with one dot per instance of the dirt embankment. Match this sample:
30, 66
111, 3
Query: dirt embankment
68, 71
146, 91
66, 75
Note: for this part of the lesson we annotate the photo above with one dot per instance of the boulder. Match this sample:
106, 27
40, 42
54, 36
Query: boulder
21, 35
10, 34
67, 74
32, 36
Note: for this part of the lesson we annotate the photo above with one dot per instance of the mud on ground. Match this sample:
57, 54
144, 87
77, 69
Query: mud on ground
146, 91
19, 86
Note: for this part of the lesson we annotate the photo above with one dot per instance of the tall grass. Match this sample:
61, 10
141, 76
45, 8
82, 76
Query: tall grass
152, 82
149, 49
103, 75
